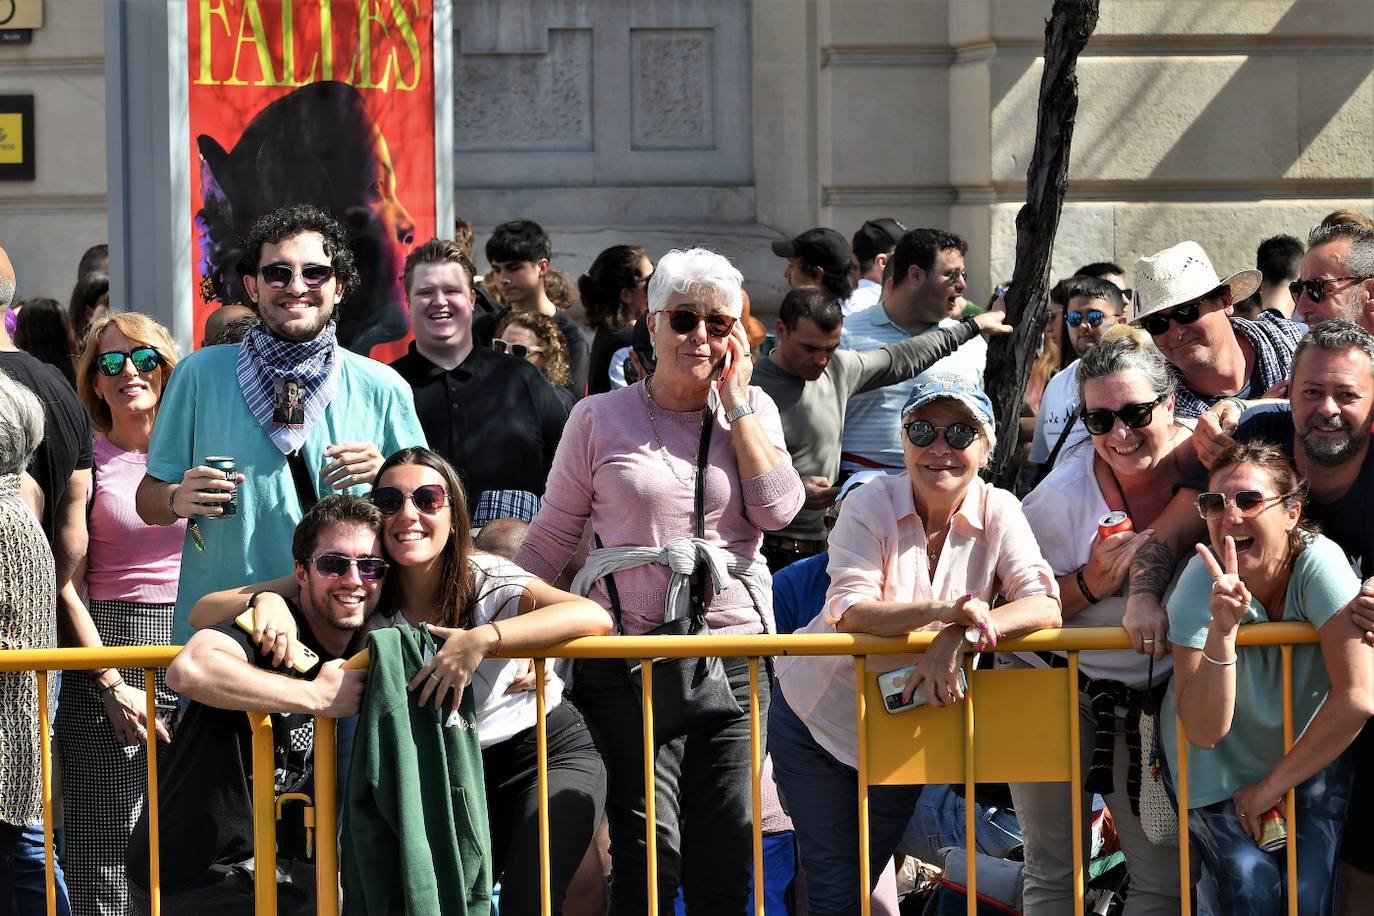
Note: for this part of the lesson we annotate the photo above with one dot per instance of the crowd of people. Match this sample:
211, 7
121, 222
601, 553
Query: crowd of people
635, 453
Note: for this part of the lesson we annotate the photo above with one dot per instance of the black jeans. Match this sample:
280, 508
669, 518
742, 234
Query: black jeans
703, 803
577, 796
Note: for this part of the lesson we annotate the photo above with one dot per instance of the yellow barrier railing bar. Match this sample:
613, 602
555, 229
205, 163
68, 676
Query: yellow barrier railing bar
970, 808
541, 731
646, 671
1290, 807
45, 762
154, 866
264, 816
1075, 782
865, 879
756, 782
326, 825
1185, 867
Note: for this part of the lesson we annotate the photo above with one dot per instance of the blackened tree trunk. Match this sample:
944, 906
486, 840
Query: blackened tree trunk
1069, 27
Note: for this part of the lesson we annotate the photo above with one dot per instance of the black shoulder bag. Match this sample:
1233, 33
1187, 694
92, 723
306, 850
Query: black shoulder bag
689, 693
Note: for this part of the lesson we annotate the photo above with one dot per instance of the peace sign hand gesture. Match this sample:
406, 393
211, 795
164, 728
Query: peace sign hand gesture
1230, 597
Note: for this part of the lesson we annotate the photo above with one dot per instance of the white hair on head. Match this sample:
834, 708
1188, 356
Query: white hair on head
21, 425
697, 272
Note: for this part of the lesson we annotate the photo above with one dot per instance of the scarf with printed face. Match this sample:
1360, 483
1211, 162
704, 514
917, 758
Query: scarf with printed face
287, 385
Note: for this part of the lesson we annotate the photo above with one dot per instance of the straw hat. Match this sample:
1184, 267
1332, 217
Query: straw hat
1181, 274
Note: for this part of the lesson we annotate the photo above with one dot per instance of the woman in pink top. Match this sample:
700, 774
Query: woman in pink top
130, 579
928, 549
628, 464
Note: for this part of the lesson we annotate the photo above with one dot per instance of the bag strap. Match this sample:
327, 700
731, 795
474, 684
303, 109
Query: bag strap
300, 476
708, 423
611, 591
1054, 452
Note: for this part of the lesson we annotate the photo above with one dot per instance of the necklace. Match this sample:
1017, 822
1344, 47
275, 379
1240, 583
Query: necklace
649, 402
934, 546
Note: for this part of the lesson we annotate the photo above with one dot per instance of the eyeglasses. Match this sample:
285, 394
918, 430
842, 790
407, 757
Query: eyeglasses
1094, 318
514, 349
644, 283
1249, 502
685, 321
334, 565
959, 435
428, 499
1158, 323
145, 359
279, 276
954, 275
1316, 289
1137, 416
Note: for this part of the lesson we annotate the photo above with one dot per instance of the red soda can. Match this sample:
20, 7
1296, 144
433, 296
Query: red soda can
1113, 523
1273, 831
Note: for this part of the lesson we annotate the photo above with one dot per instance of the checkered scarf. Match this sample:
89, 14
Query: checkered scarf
265, 362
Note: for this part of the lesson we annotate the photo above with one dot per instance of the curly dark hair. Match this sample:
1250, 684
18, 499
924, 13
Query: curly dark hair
287, 222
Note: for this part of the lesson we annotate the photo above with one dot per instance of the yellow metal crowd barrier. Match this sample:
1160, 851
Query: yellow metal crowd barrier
1005, 707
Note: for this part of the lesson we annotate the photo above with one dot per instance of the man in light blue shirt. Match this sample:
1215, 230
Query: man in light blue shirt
220, 402
928, 282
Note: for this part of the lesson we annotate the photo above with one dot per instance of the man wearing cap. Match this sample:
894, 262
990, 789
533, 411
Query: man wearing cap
811, 381
873, 245
928, 282
1336, 278
817, 257
1182, 304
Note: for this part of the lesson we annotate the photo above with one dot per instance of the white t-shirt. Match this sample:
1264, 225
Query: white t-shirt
1058, 406
500, 585
865, 296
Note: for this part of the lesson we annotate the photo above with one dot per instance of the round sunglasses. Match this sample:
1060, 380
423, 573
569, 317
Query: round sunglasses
1137, 416
279, 276
334, 565
1094, 318
1158, 323
1316, 288
428, 499
1250, 503
145, 359
922, 433
685, 321
514, 349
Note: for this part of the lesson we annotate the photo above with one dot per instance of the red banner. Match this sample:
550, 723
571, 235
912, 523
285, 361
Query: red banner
327, 102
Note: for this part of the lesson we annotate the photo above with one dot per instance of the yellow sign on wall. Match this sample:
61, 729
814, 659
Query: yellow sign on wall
11, 138
16, 136
21, 14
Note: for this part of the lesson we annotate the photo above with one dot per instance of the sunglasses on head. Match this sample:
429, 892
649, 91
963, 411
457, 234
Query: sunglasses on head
959, 435
428, 499
1137, 416
1094, 318
1158, 323
145, 359
1316, 288
514, 349
685, 321
279, 276
1249, 502
334, 565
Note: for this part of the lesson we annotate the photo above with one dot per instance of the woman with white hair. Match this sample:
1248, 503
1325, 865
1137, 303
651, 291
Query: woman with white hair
28, 616
687, 468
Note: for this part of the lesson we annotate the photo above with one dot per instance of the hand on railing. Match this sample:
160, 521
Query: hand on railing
937, 673
969, 611
338, 691
127, 711
1147, 624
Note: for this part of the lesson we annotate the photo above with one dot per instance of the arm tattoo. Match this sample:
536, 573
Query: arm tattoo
1152, 569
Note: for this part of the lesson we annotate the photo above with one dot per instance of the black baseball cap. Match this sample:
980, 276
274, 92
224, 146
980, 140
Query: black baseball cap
877, 236
823, 248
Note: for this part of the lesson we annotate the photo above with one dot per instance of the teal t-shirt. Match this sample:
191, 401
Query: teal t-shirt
1321, 584
203, 413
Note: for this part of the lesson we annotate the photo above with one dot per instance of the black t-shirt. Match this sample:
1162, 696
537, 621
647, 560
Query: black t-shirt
66, 445
484, 329
494, 417
205, 784
1349, 521
604, 346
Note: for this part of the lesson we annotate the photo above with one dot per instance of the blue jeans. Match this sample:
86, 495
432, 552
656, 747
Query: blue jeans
821, 795
1251, 882
23, 883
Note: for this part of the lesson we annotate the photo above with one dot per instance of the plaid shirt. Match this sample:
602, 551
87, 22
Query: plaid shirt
1273, 338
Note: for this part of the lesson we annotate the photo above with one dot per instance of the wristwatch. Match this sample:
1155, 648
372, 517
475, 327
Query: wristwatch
734, 414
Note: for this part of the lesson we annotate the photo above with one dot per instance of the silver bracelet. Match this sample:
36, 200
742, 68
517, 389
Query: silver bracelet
1217, 663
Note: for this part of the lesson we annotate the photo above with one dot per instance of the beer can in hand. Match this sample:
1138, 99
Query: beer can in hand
230, 469
1273, 831
1113, 523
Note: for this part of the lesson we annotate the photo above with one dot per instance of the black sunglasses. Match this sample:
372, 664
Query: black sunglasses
279, 276
1249, 502
685, 321
959, 435
514, 349
1094, 318
1158, 323
145, 359
1316, 289
429, 499
1100, 421
334, 565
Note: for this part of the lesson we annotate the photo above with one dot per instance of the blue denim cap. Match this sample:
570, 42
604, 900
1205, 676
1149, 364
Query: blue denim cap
935, 385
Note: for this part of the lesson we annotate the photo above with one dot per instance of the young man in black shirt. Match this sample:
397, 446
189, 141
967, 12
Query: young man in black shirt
205, 784
492, 415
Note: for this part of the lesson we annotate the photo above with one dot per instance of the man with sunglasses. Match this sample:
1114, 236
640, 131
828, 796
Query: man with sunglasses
1093, 307
206, 806
221, 401
1187, 309
1336, 278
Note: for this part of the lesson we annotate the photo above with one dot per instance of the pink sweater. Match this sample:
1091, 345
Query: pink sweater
609, 469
